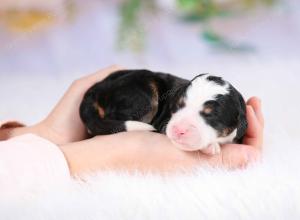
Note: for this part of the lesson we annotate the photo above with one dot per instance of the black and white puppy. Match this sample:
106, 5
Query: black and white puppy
199, 114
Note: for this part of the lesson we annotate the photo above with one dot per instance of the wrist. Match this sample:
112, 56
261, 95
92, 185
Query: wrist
85, 157
39, 129
14, 132
45, 131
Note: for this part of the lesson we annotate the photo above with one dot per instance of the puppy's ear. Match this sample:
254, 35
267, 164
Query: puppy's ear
242, 119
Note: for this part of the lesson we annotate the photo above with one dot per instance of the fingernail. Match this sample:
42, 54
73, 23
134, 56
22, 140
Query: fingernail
259, 101
250, 108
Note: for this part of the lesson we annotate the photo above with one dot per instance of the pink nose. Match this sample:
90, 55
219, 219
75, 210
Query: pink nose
179, 131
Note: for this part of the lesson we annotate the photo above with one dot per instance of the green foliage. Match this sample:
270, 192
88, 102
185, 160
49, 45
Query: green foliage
196, 10
220, 42
129, 10
132, 32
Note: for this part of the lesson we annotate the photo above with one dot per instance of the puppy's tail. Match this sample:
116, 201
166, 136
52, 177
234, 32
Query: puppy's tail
93, 116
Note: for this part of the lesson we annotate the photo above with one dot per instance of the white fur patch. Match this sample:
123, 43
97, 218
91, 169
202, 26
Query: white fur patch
227, 139
138, 126
202, 135
203, 90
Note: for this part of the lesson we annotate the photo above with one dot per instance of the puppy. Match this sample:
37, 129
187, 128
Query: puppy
199, 114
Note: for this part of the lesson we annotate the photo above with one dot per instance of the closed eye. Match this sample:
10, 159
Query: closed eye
213, 103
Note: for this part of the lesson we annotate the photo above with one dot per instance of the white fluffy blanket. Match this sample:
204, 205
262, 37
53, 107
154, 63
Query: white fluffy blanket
266, 191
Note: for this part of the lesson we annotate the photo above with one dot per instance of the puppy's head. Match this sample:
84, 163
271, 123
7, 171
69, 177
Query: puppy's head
209, 110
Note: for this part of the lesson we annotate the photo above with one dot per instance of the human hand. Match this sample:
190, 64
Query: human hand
232, 156
149, 151
240, 155
63, 125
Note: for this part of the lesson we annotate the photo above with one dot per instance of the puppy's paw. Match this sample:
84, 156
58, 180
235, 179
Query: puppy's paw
212, 149
138, 126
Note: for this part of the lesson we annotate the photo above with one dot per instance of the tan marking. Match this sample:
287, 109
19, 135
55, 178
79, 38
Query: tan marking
100, 109
154, 104
207, 110
226, 132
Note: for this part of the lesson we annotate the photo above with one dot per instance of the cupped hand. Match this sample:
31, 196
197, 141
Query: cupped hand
149, 151
63, 125
240, 155
232, 156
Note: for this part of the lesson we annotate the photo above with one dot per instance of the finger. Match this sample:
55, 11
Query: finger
253, 134
100, 75
255, 103
253, 123
82, 84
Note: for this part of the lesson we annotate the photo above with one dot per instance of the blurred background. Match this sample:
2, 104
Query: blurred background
45, 45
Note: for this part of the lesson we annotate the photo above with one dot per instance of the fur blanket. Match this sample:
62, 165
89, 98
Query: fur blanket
269, 190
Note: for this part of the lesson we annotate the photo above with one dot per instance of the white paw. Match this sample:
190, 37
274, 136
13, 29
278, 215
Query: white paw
212, 149
138, 126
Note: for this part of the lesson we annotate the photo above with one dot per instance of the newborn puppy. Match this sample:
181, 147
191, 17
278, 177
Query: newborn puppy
199, 114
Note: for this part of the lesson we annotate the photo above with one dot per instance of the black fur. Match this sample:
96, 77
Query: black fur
127, 95
228, 114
